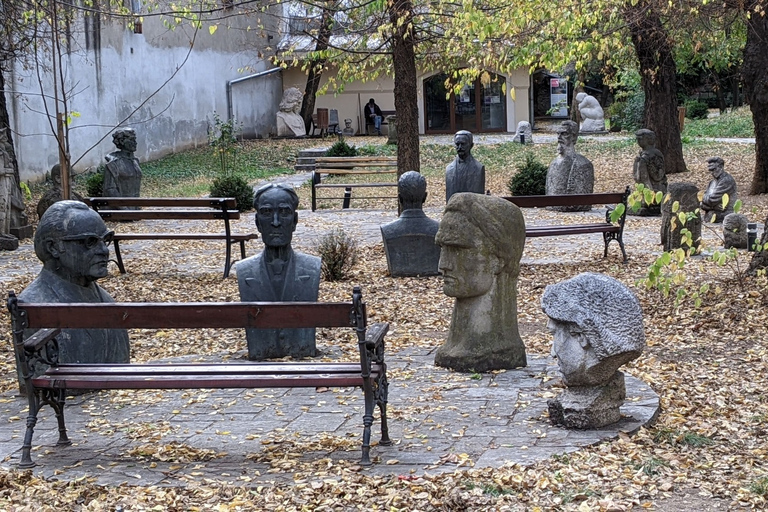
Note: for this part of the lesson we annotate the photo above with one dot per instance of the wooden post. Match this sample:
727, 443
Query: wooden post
63, 163
681, 118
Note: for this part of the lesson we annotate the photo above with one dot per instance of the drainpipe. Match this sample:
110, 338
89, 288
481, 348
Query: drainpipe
230, 83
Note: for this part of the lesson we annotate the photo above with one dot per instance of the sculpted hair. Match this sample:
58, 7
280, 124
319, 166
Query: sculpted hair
716, 160
465, 133
645, 132
497, 219
123, 134
412, 187
54, 224
280, 186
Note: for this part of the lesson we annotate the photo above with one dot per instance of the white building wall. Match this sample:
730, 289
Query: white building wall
125, 71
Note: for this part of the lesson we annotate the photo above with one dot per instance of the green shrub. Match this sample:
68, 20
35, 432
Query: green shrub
341, 148
94, 185
695, 109
628, 113
530, 178
338, 254
233, 186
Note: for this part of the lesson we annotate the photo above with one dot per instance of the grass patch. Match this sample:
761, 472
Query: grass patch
488, 489
651, 466
737, 123
675, 437
760, 486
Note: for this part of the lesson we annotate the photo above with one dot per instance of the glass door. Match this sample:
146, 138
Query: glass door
479, 107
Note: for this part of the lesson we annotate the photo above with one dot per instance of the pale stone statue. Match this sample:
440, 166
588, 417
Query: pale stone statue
278, 274
649, 169
569, 172
712, 209
686, 196
122, 177
72, 242
348, 131
7, 183
464, 174
524, 133
53, 194
481, 242
409, 241
289, 122
12, 209
592, 339
735, 231
592, 115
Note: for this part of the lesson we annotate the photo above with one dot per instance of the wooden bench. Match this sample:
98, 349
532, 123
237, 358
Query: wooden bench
50, 388
384, 114
610, 230
350, 165
116, 209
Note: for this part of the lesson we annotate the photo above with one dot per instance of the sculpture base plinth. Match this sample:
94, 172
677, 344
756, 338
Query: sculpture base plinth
23, 232
588, 407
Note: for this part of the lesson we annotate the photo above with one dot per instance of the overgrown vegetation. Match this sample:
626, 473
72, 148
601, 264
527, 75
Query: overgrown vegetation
530, 179
341, 148
94, 182
736, 123
233, 186
695, 109
338, 252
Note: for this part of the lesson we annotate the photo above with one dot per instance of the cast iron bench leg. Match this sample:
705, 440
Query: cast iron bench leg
382, 392
119, 257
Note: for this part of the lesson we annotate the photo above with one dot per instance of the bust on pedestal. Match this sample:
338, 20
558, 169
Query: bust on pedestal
278, 274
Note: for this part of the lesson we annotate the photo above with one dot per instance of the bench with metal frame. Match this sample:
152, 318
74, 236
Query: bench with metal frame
117, 209
611, 230
50, 388
351, 165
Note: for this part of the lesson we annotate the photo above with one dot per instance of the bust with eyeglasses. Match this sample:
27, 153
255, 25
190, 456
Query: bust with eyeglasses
73, 243
278, 274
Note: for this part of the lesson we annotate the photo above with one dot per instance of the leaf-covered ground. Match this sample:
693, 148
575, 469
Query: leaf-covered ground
709, 365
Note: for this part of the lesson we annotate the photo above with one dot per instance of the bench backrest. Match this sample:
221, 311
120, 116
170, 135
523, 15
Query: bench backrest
199, 208
156, 315
566, 200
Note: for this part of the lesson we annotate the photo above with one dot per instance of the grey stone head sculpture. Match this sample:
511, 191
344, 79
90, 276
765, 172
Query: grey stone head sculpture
72, 241
645, 137
567, 134
597, 324
276, 215
125, 139
411, 190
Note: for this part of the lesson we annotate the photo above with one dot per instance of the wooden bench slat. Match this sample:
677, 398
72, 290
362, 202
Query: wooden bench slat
170, 202
352, 185
565, 200
231, 315
570, 229
133, 215
244, 368
185, 236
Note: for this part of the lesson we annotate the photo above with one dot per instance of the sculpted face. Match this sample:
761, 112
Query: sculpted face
468, 267
575, 356
463, 146
564, 142
83, 252
275, 218
127, 141
715, 169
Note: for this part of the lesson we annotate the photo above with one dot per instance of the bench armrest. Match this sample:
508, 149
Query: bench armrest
38, 340
374, 336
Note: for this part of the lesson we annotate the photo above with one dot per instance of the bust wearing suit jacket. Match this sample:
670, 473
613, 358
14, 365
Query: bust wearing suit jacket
278, 274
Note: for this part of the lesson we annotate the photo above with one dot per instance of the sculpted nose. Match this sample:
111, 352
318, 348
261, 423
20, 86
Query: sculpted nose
276, 218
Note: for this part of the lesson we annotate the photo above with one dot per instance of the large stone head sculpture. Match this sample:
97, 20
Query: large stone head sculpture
567, 134
597, 324
276, 215
481, 239
72, 241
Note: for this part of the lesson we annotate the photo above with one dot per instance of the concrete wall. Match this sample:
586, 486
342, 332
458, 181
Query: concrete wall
350, 102
115, 71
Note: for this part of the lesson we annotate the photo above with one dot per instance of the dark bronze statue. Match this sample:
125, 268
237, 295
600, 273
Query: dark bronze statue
122, 177
464, 174
278, 274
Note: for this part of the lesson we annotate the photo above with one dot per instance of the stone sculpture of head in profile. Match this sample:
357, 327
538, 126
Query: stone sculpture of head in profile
597, 325
278, 274
465, 173
409, 241
72, 242
481, 239
289, 122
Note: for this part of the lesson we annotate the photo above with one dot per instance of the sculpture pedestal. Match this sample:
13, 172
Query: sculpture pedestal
587, 407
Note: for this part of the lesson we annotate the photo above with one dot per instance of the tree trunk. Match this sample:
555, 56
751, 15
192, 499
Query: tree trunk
406, 86
754, 73
315, 71
658, 78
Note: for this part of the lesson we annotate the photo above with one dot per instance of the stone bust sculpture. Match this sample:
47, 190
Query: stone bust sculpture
481, 242
722, 183
278, 274
592, 339
289, 122
348, 131
72, 242
649, 164
592, 115
569, 172
409, 241
122, 177
53, 194
464, 174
